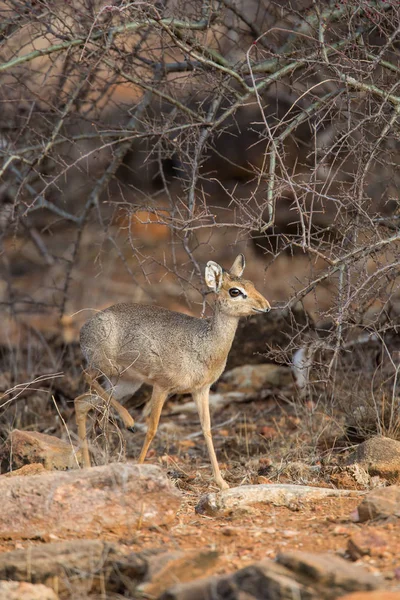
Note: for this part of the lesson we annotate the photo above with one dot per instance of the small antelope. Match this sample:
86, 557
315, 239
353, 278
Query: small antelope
133, 344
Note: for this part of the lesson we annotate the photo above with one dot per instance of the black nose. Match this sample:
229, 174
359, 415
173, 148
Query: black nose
131, 429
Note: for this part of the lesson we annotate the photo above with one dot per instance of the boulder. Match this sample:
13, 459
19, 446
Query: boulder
328, 573
301, 575
261, 580
379, 456
55, 560
116, 498
25, 447
90, 566
380, 503
169, 568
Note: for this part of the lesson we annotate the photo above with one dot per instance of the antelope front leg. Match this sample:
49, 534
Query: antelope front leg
201, 398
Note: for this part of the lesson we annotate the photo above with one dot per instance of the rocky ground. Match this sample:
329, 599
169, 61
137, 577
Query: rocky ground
292, 525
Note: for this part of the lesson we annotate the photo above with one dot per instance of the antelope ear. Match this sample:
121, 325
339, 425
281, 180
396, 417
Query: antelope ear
238, 266
213, 276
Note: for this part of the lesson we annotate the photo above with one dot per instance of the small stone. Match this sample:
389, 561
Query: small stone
367, 542
223, 432
229, 531
340, 530
186, 444
263, 480
269, 433
270, 530
289, 533
379, 456
380, 503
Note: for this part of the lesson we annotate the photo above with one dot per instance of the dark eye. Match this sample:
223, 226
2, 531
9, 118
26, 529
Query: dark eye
234, 292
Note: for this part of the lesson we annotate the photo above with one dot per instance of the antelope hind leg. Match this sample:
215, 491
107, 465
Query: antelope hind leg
83, 405
109, 399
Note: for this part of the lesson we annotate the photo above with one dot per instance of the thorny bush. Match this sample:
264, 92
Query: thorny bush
144, 138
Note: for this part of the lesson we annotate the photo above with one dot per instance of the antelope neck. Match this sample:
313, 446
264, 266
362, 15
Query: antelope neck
223, 326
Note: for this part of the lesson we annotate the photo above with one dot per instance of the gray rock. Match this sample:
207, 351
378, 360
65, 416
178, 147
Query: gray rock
330, 575
264, 579
83, 567
380, 503
117, 498
278, 494
300, 575
59, 559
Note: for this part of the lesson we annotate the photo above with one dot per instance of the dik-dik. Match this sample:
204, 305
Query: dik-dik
131, 344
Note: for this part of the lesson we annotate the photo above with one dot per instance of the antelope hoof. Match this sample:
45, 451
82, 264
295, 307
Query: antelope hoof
131, 429
222, 485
